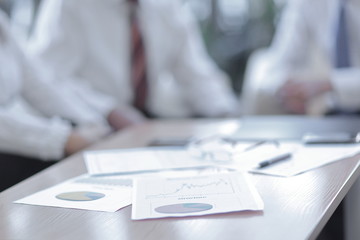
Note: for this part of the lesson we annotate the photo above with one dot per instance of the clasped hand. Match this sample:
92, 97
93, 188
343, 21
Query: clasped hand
295, 95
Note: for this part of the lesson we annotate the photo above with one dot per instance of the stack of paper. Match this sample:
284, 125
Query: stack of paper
170, 182
194, 188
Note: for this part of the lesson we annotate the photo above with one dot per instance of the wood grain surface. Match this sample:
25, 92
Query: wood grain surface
295, 208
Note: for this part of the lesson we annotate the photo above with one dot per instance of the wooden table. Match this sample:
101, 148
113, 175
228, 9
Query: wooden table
295, 208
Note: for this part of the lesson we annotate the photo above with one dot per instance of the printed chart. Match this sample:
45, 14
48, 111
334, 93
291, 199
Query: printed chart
188, 187
85, 192
192, 196
80, 196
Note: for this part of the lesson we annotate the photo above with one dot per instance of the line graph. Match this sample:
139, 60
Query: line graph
194, 187
195, 195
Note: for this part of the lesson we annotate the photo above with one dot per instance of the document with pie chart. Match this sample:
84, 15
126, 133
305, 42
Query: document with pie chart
193, 196
85, 192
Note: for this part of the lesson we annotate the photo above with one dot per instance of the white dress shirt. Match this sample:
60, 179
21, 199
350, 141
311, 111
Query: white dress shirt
305, 42
23, 133
87, 43
304, 45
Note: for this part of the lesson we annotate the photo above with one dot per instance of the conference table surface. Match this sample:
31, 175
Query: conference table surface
295, 208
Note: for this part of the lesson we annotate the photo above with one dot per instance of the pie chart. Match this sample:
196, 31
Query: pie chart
184, 208
80, 196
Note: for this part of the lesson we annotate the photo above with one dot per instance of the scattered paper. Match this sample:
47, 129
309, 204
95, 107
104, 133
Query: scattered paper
248, 160
307, 157
85, 192
192, 196
301, 158
124, 161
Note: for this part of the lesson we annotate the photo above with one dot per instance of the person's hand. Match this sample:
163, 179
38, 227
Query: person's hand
84, 135
295, 95
75, 143
125, 116
93, 132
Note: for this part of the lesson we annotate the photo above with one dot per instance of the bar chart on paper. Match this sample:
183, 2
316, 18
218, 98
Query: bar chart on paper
200, 195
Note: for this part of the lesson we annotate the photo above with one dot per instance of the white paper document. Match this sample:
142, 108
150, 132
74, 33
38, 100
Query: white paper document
123, 161
248, 160
85, 192
193, 196
307, 157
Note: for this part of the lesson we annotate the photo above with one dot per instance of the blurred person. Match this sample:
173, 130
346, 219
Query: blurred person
314, 68
131, 55
29, 140
314, 60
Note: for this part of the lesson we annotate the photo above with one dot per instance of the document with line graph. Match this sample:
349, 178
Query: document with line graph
193, 196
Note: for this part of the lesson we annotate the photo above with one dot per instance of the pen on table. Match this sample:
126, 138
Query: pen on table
275, 159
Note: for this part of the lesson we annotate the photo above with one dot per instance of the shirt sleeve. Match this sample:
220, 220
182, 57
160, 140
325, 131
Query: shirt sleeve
289, 52
32, 136
56, 37
207, 89
51, 98
56, 99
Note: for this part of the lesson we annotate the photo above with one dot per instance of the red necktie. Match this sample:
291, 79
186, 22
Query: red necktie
138, 62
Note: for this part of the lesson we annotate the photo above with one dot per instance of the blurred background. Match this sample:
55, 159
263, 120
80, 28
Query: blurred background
232, 29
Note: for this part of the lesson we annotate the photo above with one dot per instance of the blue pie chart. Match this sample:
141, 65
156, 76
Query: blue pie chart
80, 196
184, 208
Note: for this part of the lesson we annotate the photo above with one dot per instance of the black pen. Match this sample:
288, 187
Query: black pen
273, 160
